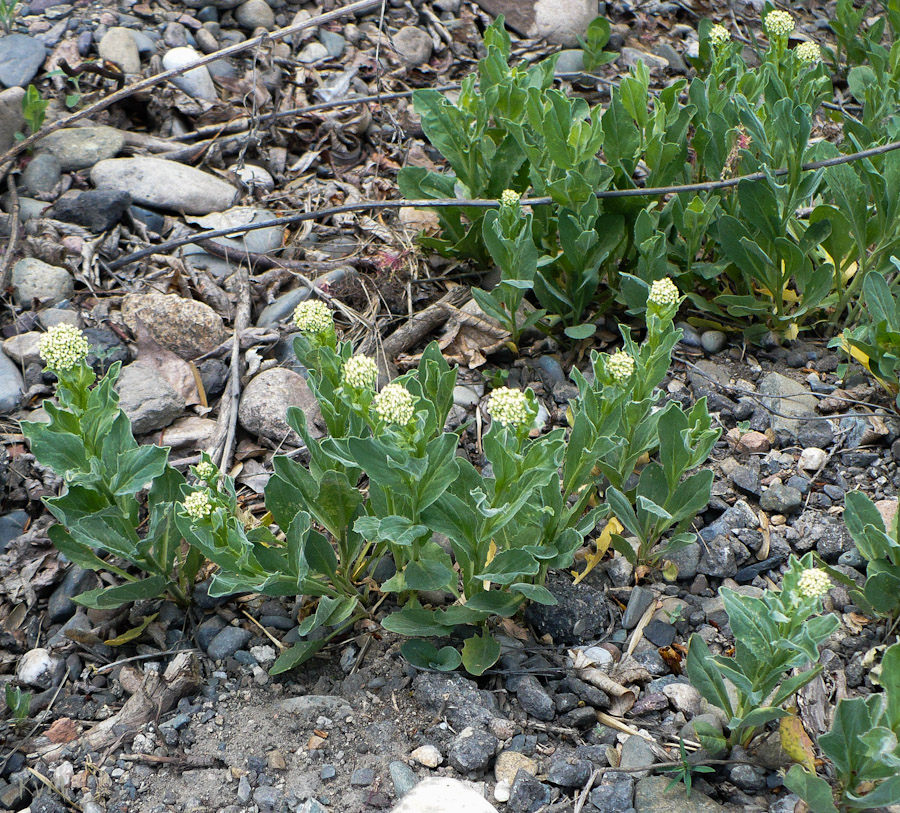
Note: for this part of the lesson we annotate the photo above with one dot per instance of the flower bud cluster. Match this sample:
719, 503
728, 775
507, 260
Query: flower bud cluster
509, 198
510, 407
313, 317
63, 346
663, 292
620, 366
719, 35
808, 53
197, 505
206, 471
395, 404
360, 373
813, 583
778, 23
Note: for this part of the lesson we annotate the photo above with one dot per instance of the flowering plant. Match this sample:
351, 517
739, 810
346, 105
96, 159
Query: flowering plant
88, 441
775, 633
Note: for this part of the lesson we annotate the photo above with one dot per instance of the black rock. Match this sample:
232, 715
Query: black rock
568, 771
208, 630
581, 718
95, 209
60, 606
589, 694
816, 433
614, 794
214, 375
472, 750
527, 794
781, 499
638, 602
227, 642
659, 633
748, 573
533, 698
746, 479
580, 614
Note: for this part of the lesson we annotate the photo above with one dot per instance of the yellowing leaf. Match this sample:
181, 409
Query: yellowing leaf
125, 637
492, 552
613, 526
792, 332
796, 742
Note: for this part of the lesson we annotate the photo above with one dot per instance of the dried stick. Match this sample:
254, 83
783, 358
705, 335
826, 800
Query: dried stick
12, 245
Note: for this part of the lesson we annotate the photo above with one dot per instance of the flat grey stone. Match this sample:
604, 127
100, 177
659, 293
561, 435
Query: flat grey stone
11, 385
82, 147
42, 173
33, 279
651, 796
119, 46
12, 120
148, 400
21, 58
196, 82
788, 397
165, 184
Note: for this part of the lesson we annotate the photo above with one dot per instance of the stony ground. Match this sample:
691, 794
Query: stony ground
357, 728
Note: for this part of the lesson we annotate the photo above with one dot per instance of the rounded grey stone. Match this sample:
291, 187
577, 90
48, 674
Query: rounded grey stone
82, 147
20, 59
11, 385
42, 173
149, 400
712, 341
227, 642
414, 45
255, 14
33, 279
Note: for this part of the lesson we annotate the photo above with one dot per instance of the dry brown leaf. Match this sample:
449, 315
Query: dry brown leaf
470, 336
62, 730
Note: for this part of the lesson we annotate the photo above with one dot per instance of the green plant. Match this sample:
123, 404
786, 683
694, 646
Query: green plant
88, 441
863, 749
881, 548
595, 38
684, 772
773, 634
18, 702
34, 109
8, 11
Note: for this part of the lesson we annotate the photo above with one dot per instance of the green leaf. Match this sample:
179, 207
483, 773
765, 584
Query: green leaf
427, 575
535, 592
509, 565
136, 468
710, 738
108, 598
414, 621
74, 551
852, 718
495, 602
479, 653
297, 654
425, 655
579, 332
814, 790
705, 676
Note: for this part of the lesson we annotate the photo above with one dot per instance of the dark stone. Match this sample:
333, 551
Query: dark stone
739, 515
746, 478
534, 699
686, 560
95, 209
214, 375
227, 642
154, 221
718, 559
588, 693
581, 718
12, 525
527, 794
638, 602
659, 633
565, 701
47, 804
472, 750
816, 433
748, 573
568, 771
106, 349
60, 606
614, 794
580, 614
459, 698
362, 777
781, 499
208, 630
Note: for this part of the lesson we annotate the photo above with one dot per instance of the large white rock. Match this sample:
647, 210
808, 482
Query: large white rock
164, 184
197, 82
443, 795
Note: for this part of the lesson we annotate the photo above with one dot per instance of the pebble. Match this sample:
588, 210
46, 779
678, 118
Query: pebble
312, 52
527, 794
571, 60
284, 305
265, 400
256, 241
579, 615
781, 499
119, 47
20, 59
33, 279
414, 45
267, 798
791, 399
614, 793
631, 57
559, 21
502, 792
227, 642
659, 633
106, 349
146, 397
196, 82
79, 148
472, 750
40, 669
41, 174
255, 177
24, 348
684, 698
657, 794
206, 41
255, 14
637, 753
509, 763
638, 602
96, 209
60, 607
568, 771
311, 706
184, 326
12, 120
333, 42
427, 755
403, 778
165, 184
534, 699
12, 525
443, 795
812, 459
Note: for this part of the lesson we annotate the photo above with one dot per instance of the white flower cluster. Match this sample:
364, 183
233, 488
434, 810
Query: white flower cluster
620, 365
663, 292
206, 471
313, 316
719, 35
808, 52
509, 407
813, 582
63, 346
778, 23
509, 198
395, 404
197, 505
360, 373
